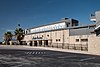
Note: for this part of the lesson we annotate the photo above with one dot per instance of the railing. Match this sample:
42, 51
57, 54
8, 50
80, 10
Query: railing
82, 47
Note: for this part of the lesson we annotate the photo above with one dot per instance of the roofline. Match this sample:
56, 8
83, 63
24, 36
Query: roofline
46, 31
97, 11
76, 27
69, 19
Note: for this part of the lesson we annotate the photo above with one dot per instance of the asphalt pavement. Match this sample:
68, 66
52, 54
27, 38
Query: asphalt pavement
16, 56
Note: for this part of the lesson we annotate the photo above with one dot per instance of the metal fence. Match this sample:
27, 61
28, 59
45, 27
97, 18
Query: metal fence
82, 47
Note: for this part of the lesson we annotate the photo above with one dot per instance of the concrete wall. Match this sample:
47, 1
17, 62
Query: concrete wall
72, 39
80, 31
94, 44
27, 38
97, 18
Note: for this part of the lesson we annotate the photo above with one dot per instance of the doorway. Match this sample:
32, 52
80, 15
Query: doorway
40, 42
46, 43
35, 43
30, 43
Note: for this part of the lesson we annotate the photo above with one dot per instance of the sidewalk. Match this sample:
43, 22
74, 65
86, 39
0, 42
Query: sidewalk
62, 50
44, 48
59, 49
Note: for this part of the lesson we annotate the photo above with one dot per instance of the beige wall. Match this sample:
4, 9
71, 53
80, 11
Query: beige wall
94, 44
27, 38
72, 39
63, 35
93, 40
66, 36
57, 35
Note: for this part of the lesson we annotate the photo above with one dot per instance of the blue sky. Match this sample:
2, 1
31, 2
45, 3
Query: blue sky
30, 13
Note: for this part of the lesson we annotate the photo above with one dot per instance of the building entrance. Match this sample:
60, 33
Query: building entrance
40, 43
35, 43
30, 43
46, 43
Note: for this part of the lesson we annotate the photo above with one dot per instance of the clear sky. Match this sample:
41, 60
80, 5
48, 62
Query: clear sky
30, 13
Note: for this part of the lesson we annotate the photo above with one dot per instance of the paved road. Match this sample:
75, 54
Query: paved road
44, 58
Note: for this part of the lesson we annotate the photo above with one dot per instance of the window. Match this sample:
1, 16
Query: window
57, 40
77, 40
48, 35
37, 36
67, 25
84, 40
42, 35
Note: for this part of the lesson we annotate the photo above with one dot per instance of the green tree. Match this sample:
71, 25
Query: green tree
7, 37
19, 34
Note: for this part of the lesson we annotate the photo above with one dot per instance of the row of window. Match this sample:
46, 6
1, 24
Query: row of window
39, 37
82, 40
52, 27
57, 40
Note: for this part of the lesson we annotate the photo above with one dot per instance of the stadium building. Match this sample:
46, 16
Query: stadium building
67, 34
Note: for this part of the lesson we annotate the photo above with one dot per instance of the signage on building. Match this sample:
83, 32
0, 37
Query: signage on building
49, 27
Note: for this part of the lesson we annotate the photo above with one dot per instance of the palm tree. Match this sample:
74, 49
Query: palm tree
19, 34
7, 37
